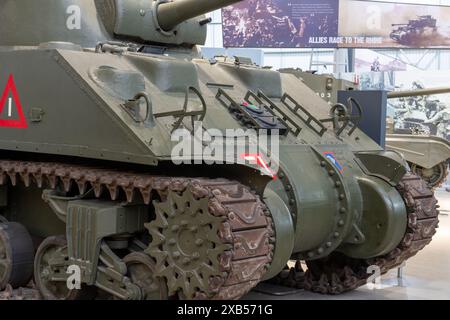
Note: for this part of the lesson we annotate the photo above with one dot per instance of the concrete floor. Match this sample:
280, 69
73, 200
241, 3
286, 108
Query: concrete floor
425, 276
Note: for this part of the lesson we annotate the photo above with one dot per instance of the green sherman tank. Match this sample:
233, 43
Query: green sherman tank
427, 155
95, 92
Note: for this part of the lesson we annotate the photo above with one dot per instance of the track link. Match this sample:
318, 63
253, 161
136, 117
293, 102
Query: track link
247, 227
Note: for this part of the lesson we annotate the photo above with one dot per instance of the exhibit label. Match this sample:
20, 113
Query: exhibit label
335, 24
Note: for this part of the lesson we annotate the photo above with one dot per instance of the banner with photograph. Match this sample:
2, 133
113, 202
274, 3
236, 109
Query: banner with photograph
373, 24
369, 60
335, 23
423, 115
281, 24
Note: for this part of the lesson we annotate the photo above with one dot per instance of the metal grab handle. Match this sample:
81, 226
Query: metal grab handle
337, 112
341, 113
337, 117
181, 114
131, 105
149, 105
201, 113
355, 119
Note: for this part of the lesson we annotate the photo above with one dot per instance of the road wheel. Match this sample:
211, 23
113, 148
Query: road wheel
141, 270
16, 255
50, 265
435, 176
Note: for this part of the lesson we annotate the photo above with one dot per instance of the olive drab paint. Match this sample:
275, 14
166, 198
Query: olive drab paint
105, 86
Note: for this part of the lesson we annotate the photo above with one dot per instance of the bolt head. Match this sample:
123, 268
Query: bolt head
199, 242
176, 255
341, 223
329, 244
172, 242
310, 254
342, 210
186, 261
320, 250
142, 12
336, 235
194, 229
175, 228
196, 255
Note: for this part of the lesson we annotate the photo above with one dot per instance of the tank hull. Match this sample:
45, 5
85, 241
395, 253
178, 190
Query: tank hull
154, 174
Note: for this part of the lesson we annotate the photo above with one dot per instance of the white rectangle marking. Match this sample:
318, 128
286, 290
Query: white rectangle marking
9, 107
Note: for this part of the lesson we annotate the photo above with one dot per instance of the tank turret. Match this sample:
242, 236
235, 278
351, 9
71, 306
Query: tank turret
88, 22
175, 22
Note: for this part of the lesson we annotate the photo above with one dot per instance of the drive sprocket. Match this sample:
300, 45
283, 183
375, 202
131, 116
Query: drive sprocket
186, 243
198, 244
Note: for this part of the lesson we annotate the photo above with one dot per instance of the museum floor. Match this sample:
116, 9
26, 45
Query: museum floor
425, 276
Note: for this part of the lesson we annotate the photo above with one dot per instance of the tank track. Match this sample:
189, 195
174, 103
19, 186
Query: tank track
247, 227
337, 273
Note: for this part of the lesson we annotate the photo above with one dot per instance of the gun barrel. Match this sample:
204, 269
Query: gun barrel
418, 93
170, 14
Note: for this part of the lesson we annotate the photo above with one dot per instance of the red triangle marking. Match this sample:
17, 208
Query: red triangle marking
22, 122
